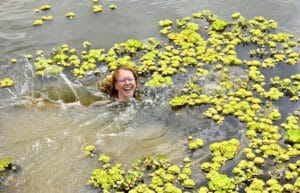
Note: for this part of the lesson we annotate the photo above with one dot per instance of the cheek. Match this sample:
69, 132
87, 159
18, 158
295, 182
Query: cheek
135, 84
117, 86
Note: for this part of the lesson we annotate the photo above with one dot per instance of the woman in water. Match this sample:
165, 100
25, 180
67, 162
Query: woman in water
124, 83
121, 85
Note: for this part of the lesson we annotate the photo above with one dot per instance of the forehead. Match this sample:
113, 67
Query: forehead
124, 73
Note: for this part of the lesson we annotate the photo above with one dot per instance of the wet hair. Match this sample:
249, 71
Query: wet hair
108, 84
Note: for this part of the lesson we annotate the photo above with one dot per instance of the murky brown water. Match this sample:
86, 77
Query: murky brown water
47, 142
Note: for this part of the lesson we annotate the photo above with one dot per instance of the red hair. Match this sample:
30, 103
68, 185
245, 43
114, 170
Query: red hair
108, 84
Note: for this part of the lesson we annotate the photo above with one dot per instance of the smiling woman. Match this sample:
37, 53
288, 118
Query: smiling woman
122, 84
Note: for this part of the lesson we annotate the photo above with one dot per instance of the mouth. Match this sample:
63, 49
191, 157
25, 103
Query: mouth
128, 88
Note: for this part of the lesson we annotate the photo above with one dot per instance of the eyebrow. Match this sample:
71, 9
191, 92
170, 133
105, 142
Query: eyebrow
126, 78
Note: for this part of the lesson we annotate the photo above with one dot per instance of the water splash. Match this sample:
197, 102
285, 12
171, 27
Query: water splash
28, 74
70, 84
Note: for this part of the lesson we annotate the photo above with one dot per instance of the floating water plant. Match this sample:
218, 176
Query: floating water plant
165, 23
45, 7
47, 18
70, 14
219, 25
133, 44
97, 8
104, 158
38, 22
113, 6
5, 163
221, 183
189, 183
89, 150
148, 174
86, 44
293, 135
196, 144
159, 81
6, 82
227, 149
13, 60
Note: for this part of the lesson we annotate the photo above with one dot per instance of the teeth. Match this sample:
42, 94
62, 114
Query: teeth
127, 89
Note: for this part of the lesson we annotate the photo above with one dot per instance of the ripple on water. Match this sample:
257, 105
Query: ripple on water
167, 4
12, 36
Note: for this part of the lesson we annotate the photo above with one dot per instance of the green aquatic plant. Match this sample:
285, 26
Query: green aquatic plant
97, 8
257, 185
196, 144
38, 22
221, 183
227, 149
291, 122
213, 114
245, 171
70, 14
5, 163
179, 101
219, 25
6, 82
86, 44
236, 15
134, 44
164, 23
104, 158
141, 188
289, 86
113, 6
6, 167
174, 169
273, 94
107, 178
159, 81
221, 152
129, 48
297, 183
148, 174
13, 60
258, 160
47, 18
89, 150
182, 22
293, 135
45, 7
188, 183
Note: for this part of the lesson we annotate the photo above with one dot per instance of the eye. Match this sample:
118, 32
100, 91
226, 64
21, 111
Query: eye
123, 80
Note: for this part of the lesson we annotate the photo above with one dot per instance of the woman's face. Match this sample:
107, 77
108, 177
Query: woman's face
125, 84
